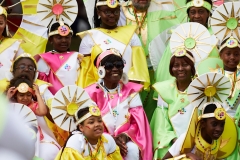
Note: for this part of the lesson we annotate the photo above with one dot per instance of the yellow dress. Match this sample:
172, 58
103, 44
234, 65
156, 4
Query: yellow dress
77, 148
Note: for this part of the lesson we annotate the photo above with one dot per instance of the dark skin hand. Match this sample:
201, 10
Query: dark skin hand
192, 156
121, 141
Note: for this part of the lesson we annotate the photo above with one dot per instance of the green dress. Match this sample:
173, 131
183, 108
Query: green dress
158, 19
170, 118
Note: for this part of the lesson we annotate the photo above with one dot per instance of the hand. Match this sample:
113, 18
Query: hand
192, 156
36, 89
121, 142
239, 123
11, 91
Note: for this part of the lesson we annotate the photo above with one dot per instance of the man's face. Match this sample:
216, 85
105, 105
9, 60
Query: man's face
141, 5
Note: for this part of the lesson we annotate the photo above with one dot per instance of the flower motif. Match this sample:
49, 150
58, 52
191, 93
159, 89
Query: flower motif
67, 67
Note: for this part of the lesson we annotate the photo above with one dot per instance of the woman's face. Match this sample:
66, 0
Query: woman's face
181, 70
25, 67
199, 15
2, 24
24, 98
114, 71
92, 128
230, 58
61, 43
213, 128
109, 16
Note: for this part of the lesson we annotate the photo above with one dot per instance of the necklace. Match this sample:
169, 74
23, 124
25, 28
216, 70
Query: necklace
141, 22
97, 149
114, 112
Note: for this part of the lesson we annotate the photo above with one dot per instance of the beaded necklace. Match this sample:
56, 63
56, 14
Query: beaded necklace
94, 156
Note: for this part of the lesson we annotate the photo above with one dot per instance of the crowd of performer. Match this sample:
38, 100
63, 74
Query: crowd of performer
161, 80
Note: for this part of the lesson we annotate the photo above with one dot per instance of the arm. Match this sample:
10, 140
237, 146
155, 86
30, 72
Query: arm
42, 109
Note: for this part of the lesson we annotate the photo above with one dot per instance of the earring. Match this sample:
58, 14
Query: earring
99, 17
8, 34
101, 72
124, 78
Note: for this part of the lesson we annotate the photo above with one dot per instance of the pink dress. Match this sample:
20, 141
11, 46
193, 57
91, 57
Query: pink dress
123, 113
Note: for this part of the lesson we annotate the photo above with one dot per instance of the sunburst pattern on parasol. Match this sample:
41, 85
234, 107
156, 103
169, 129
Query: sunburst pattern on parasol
65, 103
50, 11
225, 20
210, 87
25, 113
193, 37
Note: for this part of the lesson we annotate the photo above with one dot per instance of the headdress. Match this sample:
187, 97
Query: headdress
66, 102
109, 3
230, 43
62, 30
199, 3
219, 113
24, 88
51, 11
106, 53
93, 111
194, 38
224, 23
24, 55
3, 11
210, 87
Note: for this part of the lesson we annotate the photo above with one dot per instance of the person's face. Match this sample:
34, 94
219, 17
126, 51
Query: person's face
109, 16
24, 98
61, 43
199, 15
141, 5
213, 127
181, 70
25, 68
230, 58
2, 24
114, 71
92, 128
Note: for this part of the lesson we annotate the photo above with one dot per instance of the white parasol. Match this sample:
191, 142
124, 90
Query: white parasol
210, 87
194, 38
65, 103
50, 11
225, 21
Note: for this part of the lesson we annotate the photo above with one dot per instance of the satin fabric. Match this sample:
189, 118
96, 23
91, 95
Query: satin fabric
137, 125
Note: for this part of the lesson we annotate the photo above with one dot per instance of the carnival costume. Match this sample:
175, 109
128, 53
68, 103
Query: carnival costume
9, 50
123, 39
230, 34
53, 66
122, 113
162, 72
78, 147
192, 141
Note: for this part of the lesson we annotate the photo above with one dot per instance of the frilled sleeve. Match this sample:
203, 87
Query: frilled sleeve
69, 154
139, 69
139, 129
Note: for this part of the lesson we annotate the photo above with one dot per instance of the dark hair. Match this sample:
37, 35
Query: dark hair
80, 114
19, 59
210, 108
190, 62
96, 21
15, 83
108, 58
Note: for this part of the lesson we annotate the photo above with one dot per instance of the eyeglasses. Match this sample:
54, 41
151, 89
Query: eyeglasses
110, 66
108, 13
23, 66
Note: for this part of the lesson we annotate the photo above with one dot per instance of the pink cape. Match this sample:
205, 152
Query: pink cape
137, 128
